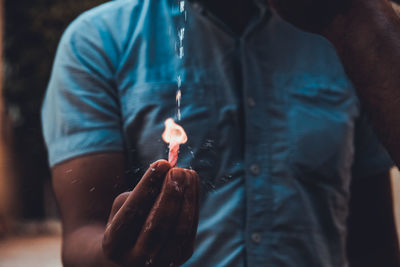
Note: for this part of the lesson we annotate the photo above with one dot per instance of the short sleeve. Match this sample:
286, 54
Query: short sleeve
371, 158
80, 112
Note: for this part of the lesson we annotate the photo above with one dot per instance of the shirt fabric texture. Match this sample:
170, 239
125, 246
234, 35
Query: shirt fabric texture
276, 131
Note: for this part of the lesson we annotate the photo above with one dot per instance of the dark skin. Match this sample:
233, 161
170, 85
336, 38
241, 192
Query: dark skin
157, 221
235, 13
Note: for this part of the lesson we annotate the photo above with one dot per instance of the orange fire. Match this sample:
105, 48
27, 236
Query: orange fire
174, 135
178, 96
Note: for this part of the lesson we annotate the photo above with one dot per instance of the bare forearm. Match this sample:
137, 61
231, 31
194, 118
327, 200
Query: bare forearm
367, 39
83, 248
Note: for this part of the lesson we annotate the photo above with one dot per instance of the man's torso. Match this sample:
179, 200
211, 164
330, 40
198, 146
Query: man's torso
271, 120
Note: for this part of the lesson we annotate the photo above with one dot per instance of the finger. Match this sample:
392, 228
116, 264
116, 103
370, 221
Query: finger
124, 228
118, 202
193, 200
180, 245
161, 220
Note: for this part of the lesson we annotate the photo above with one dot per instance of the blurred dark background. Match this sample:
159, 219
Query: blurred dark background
32, 30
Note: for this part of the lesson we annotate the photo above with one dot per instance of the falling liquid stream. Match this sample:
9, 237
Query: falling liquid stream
181, 54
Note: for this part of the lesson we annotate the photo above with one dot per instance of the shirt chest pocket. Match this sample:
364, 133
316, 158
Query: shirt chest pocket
321, 131
147, 106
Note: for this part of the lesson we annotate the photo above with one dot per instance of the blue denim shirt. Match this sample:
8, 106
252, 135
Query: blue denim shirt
276, 131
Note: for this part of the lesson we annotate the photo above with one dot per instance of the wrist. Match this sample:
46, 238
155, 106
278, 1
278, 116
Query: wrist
83, 247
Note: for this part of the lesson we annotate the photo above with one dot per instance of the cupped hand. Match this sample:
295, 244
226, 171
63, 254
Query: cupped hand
156, 223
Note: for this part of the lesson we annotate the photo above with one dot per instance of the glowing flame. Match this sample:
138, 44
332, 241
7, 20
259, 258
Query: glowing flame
178, 96
174, 133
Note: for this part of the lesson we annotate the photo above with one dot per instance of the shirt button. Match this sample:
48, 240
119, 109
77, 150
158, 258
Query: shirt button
255, 169
251, 102
256, 237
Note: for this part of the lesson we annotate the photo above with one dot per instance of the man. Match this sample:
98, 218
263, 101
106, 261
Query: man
276, 133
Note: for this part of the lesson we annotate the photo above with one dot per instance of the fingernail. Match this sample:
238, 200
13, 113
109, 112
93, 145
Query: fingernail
162, 165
